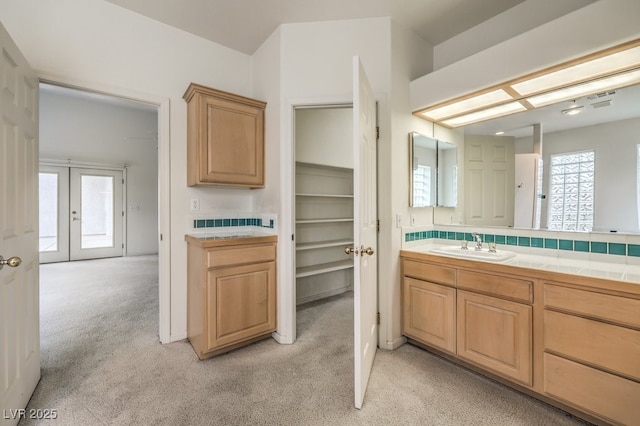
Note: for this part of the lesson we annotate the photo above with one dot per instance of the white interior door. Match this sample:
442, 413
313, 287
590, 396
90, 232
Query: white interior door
96, 215
365, 230
19, 281
489, 180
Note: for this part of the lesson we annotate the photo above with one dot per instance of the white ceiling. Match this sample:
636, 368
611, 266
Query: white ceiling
243, 25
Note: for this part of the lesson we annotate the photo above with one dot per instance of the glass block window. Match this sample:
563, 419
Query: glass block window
572, 183
422, 186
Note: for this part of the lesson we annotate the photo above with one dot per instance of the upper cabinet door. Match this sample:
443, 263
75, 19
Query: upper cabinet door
225, 138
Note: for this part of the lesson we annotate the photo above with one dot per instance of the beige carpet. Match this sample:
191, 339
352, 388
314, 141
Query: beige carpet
102, 364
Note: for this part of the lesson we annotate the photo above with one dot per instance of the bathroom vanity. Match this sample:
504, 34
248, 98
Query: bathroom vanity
231, 291
570, 340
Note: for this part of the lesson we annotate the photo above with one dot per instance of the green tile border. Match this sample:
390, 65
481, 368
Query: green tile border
580, 246
246, 221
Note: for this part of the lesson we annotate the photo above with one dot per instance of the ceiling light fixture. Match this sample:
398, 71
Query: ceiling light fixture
485, 114
574, 109
499, 133
602, 71
469, 104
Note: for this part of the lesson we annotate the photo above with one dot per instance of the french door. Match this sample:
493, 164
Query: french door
81, 214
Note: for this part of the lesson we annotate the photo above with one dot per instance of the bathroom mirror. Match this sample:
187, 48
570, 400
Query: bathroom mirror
447, 164
423, 156
608, 125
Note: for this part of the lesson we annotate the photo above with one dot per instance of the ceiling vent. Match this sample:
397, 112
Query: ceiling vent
605, 103
601, 95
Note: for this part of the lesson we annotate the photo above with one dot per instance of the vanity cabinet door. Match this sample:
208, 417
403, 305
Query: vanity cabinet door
429, 313
496, 334
241, 303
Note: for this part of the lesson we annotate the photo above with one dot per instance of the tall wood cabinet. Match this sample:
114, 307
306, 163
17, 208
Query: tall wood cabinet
231, 292
225, 138
324, 228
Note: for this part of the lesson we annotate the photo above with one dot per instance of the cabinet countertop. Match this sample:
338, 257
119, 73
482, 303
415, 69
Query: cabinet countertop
612, 276
229, 239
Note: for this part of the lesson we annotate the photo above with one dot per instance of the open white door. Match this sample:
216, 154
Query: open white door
19, 289
365, 230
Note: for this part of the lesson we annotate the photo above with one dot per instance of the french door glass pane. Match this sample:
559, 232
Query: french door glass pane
97, 211
48, 211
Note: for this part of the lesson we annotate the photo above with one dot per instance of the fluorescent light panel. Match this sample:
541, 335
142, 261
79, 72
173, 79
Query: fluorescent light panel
485, 114
580, 90
468, 104
580, 72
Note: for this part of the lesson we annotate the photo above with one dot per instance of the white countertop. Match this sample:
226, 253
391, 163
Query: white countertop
589, 268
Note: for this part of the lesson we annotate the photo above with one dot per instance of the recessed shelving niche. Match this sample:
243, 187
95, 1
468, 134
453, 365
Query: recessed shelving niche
324, 228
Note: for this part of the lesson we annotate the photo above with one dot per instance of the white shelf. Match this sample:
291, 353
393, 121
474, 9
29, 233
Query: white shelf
324, 268
325, 195
304, 221
323, 244
324, 227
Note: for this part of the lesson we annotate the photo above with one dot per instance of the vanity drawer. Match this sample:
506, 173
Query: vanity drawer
610, 347
429, 272
496, 285
240, 255
591, 390
606, 307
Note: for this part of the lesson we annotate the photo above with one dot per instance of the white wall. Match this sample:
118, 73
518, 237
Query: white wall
324, 136
81, 130
93, 43
615, 193
410, 57
521, 18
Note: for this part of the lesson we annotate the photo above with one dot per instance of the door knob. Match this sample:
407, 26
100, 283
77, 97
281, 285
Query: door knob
367, 250
351, 250
11, 262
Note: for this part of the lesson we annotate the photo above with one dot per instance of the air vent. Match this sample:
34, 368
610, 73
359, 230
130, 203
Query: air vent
601, 95
605, 103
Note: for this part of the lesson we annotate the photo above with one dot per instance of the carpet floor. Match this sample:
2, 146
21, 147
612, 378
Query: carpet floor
102, 364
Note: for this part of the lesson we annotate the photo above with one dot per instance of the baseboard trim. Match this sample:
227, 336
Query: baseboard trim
177, 337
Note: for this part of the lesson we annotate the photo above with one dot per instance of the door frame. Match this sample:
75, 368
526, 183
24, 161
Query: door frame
164, 184
286, 332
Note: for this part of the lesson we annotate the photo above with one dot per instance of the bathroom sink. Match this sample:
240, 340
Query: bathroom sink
471, 253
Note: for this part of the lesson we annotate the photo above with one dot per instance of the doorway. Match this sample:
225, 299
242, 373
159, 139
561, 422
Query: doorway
81, 215
323, 201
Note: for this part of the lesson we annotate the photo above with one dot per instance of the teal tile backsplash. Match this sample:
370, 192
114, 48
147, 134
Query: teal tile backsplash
225, 223
600, 247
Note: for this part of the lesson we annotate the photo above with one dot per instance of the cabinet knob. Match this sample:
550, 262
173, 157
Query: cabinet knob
367, 250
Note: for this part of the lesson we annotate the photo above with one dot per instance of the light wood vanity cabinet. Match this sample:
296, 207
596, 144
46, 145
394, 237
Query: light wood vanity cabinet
487, 321
570, 340
495, 323
592, 351
225, 138
429, 308
231, 292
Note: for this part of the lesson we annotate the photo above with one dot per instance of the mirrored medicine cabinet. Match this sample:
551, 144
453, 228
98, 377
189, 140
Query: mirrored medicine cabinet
433, 172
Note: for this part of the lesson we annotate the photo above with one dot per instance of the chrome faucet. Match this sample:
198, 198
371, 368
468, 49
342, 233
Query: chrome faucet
478, 239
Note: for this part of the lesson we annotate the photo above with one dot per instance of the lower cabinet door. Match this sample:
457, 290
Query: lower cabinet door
429, 313
496, 334
241, 303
